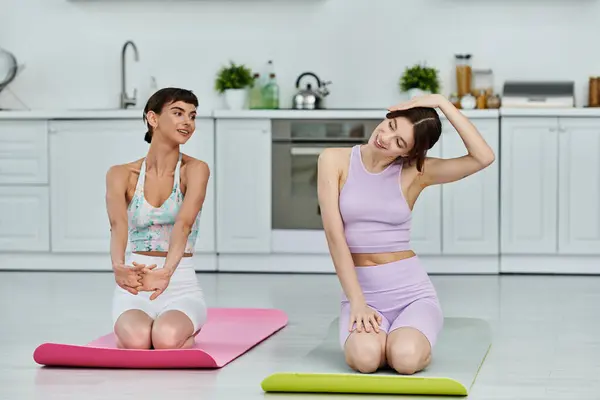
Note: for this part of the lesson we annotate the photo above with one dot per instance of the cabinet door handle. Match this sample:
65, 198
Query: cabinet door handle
306, 151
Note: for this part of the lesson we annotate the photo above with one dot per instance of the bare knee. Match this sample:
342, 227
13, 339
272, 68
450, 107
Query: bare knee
365, 354
133, 334
408, 357
167, 336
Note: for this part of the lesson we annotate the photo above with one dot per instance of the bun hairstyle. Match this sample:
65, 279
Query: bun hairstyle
427, 129
163, 97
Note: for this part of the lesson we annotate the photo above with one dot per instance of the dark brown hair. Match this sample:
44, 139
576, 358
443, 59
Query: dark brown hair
427, 129
165, 96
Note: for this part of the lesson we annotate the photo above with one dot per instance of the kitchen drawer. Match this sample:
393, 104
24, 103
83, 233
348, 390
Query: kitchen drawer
24, 218
23, 152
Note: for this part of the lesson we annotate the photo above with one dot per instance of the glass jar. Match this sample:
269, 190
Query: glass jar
493, 101
464, 74
483, 79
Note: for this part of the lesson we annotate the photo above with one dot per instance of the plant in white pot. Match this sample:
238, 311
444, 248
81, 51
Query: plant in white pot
233, 81
419, 79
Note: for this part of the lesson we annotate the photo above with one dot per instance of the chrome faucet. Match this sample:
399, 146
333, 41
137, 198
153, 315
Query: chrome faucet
127, 101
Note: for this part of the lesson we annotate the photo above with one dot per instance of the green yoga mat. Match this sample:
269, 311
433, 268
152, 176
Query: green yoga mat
459, 354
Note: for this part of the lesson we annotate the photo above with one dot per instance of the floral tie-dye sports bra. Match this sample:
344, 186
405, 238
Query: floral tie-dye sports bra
150, 227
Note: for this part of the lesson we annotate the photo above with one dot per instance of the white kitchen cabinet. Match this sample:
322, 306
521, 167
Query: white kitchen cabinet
578, 186
24, 203
202, 146
529, 185
24, 219
243, 159
81, 152
23, 152
470, 206
426, 236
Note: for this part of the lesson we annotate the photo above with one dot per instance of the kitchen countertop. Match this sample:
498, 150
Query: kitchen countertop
79, 114
550, 112
99, 114
225, 114
327, 114
380, 113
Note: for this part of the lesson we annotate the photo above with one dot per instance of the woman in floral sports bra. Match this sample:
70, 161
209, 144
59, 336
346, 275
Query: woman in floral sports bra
154, 205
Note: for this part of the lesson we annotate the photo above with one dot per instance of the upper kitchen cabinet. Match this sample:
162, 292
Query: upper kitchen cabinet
23, 152
578, 185
81, 152
470, 206
529, 185
243, 159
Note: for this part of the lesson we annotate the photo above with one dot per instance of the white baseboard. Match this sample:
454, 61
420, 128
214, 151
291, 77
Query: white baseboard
449, 264
316, 263
278, 263
555, 264
79, 262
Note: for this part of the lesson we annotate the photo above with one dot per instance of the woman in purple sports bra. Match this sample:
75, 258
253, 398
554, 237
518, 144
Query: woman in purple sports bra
390, 312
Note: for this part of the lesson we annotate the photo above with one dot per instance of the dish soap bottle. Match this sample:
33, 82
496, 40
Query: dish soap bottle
256, 94
270, 93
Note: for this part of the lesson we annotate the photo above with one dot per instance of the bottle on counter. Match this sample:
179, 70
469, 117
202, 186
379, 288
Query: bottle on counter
270, 93
266, 71
594, 92
481, 100
256, 101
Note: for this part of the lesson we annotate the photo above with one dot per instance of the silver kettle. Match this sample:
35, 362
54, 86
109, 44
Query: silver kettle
309, 98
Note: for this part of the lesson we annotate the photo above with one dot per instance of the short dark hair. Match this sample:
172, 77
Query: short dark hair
165, 96
427, 130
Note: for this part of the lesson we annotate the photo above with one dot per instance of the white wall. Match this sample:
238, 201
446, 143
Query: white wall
72, 49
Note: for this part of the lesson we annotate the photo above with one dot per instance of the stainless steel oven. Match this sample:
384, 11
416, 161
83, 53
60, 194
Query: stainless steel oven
296, 148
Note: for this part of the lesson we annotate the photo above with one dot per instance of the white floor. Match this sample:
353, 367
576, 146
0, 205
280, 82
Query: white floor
546, 335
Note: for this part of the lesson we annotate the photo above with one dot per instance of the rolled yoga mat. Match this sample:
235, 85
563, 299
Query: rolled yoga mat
227, 334
461, 349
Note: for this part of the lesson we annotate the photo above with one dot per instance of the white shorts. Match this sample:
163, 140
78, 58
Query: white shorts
183, 293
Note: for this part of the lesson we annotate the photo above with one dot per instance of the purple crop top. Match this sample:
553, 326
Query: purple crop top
376, 216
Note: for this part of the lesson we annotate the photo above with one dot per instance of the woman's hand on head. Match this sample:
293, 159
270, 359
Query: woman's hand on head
427, 100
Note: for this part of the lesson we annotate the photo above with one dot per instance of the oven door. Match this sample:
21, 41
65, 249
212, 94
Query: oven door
295, 204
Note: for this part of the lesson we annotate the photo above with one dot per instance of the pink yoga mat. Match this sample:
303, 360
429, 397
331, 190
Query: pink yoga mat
227, 334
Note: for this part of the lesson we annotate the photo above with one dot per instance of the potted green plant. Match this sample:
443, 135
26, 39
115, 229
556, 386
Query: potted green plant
419, 79
233, 81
